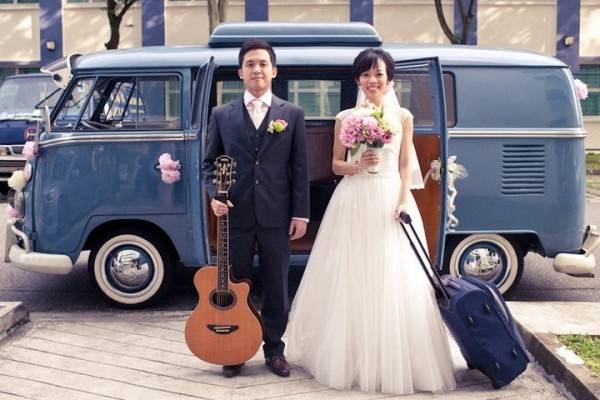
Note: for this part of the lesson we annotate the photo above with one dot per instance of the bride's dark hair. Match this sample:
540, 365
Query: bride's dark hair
368, 58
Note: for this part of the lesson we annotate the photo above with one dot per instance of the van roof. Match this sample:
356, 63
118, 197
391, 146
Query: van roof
190, 56
29, 75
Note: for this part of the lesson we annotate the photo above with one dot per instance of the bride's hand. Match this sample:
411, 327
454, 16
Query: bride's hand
401, 207
369, 157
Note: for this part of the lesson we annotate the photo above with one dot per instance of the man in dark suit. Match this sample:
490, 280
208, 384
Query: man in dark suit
269, 204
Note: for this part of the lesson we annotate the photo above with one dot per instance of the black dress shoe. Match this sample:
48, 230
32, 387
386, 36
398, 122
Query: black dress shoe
278, 365
229, 371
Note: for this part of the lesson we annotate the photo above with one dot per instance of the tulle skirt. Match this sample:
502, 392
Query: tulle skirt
365, 314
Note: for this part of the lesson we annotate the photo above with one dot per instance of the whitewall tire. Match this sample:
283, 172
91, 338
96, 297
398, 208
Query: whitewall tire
130, 268
489, 257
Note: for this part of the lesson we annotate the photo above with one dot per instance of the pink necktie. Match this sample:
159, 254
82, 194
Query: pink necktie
256, 112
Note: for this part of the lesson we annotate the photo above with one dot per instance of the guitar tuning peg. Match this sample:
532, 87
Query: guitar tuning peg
215, 181
234, 173
233, 181
235, 164
216, 163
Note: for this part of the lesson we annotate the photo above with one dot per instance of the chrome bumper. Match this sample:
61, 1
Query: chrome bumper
583, 264
27, 260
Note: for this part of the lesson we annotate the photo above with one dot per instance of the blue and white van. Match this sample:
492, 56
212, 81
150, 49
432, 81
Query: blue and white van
511, 118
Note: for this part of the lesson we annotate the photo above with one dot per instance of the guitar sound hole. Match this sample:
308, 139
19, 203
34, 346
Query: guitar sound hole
222, 299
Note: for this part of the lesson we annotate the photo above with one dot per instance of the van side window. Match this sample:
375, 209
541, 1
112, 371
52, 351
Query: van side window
133, 103
69, 112
229, 91
414, 93
516, 98
320, 99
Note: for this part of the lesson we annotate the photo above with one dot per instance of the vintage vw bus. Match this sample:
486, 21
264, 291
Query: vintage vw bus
511, 118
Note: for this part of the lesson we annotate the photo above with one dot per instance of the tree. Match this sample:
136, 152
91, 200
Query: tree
217, 13
466, 17
116, 9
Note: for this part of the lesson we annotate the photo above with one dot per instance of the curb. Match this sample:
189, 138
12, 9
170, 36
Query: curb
577, 379
12, 315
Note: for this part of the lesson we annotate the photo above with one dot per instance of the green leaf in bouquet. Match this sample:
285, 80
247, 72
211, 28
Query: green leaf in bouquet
354, 150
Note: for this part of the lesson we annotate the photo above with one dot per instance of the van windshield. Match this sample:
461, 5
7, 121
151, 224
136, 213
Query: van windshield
19, 97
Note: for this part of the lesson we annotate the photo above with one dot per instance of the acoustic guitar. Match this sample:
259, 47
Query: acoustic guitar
224, 328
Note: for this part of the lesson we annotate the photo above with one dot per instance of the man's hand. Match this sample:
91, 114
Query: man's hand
220, 208
297, 229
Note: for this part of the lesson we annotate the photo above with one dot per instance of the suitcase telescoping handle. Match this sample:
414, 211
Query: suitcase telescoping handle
439, 286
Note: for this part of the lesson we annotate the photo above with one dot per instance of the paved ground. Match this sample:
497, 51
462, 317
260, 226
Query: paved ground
142, 355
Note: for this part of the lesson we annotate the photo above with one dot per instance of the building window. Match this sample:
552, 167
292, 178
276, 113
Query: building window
590, 74
319, 99
19, 1
4, 72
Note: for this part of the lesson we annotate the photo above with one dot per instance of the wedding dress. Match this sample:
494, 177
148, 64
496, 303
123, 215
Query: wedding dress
365, 314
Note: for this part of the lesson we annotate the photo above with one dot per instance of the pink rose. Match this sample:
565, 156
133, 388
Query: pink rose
170, 176
581, 89
11, 212
30, 150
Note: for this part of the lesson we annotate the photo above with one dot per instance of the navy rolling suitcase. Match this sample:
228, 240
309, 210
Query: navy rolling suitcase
478, 318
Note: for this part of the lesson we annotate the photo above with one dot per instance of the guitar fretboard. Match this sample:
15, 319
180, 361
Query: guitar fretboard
223, 251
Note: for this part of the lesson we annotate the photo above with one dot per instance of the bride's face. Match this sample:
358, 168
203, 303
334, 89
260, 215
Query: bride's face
374, 82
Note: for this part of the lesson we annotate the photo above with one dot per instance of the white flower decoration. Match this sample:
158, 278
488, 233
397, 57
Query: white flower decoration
17, 180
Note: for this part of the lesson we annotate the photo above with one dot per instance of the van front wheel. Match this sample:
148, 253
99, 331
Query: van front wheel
131, 268
488, 257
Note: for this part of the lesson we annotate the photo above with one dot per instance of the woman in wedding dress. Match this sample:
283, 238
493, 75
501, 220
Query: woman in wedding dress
365, 314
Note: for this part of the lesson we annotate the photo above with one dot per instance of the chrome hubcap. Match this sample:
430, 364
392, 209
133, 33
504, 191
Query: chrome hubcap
129, 269
486, 263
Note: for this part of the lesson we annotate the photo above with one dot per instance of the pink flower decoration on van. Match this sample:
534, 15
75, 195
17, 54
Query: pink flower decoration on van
169, 168
581, 89
11, 212
30, 150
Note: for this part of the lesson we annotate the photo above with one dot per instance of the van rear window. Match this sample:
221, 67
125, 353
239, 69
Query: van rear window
515, 98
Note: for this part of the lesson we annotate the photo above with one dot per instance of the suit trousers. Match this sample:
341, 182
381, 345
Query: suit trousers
273, 258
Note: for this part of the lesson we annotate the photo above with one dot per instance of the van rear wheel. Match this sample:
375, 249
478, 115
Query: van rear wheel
131, 268
489, 257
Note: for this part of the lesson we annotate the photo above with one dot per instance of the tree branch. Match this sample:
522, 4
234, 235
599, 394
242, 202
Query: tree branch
126, 6
442, 19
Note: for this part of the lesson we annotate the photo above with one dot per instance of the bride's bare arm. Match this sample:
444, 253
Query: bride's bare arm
405, 159
339, 165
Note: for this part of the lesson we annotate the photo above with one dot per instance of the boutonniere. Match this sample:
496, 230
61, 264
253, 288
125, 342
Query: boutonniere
277, 126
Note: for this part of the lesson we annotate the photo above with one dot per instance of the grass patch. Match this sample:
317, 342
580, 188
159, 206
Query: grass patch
592, 161
586, 347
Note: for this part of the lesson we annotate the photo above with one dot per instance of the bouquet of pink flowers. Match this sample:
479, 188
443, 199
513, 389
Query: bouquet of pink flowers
370, 129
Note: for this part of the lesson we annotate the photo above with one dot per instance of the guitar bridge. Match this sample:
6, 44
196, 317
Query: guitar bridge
222, 329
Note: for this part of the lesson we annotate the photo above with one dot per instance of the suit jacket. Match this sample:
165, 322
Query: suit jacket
272, 183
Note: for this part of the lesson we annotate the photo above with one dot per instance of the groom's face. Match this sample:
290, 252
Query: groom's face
257, 71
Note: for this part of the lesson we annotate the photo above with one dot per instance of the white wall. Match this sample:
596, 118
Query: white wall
411, 21
529, 25
590, 28
186, 23
19, 32
86, 28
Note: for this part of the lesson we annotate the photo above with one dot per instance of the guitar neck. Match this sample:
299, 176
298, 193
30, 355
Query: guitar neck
223, 251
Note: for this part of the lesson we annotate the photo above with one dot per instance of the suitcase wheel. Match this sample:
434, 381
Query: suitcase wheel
487, 309
514, 354
497, 385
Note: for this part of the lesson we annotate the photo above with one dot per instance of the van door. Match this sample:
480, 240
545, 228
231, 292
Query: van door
419, 88
199, 197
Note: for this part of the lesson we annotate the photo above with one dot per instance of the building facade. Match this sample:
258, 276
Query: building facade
35, 32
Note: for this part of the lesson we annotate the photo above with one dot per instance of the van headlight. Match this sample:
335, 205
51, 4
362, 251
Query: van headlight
28, 171
4, 151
